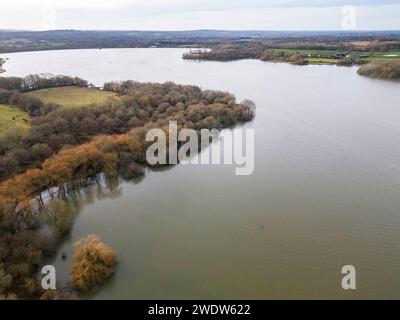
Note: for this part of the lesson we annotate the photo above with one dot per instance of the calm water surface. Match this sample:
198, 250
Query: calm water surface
326, 186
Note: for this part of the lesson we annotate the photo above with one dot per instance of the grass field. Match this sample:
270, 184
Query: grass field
73, 97
322, 61
11, 117
298, 51
374, 56
392, 55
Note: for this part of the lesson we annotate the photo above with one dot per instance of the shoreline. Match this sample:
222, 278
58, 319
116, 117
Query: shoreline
2, 62
98, 48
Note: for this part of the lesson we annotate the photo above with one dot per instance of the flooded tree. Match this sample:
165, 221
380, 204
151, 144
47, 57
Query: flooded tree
93, 263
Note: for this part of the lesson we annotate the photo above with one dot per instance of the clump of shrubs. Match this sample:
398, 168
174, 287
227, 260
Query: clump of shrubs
227, 52
389, 70
93, 263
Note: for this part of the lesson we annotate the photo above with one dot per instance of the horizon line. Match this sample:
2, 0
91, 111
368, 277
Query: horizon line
198, 30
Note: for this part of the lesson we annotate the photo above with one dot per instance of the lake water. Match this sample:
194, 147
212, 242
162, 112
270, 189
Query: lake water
326, 186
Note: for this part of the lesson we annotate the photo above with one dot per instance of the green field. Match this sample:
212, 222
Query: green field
298, 51
325, 59
73, 97
322, 61
383, 56
11, 117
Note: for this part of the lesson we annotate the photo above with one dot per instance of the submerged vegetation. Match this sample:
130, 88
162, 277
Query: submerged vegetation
93, 263
66, 148
389, 70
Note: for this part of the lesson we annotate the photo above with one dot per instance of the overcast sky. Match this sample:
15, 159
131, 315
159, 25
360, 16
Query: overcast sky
200, 14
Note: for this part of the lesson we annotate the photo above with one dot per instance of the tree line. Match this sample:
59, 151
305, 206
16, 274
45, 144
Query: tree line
230, 52
40, 81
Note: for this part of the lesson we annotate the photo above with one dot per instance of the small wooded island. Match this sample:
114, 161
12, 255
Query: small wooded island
74, 133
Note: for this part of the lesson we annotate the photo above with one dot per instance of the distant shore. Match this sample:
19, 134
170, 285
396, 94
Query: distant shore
22, 41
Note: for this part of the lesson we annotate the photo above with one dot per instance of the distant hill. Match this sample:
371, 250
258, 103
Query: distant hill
16, 40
